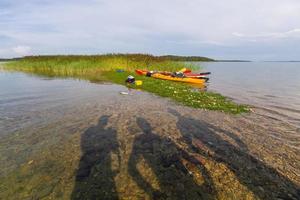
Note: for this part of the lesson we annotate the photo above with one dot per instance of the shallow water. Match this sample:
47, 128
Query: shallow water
53, 132
30, 100
272, 86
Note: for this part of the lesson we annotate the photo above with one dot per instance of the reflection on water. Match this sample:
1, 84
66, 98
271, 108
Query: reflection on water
27, 100
274, 87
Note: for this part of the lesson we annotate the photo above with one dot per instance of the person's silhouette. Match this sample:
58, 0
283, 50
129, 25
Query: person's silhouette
95, 177
165, 160
264, 181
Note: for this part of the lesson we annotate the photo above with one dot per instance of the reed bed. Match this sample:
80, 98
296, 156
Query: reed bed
85, 66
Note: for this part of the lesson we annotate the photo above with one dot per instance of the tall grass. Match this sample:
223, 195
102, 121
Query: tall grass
89, 66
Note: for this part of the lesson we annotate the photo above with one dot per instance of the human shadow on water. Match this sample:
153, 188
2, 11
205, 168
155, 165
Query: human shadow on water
95, 176
264, 181
165, 160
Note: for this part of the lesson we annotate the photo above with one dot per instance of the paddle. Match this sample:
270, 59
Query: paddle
205, 73
199, 74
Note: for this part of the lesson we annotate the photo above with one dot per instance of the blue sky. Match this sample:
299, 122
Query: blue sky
231, 29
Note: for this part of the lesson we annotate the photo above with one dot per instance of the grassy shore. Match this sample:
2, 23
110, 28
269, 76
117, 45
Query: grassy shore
103, 68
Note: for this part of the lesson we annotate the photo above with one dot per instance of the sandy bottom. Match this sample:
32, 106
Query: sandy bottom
140, 146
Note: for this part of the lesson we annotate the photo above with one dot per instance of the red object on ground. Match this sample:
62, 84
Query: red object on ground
187, 71
141, 72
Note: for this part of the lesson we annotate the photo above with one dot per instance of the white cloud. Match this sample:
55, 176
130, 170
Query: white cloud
22, 50
198, 27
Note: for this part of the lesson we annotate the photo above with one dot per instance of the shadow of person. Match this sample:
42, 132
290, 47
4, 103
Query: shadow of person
264, 181
165, 160
95, 176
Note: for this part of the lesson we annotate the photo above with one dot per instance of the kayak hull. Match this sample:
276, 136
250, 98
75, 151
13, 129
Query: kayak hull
178, 79
170, 78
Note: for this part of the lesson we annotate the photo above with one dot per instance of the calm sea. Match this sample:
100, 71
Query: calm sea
271, 86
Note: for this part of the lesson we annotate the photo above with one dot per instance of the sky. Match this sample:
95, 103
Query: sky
231, 29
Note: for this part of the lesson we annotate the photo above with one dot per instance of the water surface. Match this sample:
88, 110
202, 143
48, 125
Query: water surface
54, 132
27, 100
272, 86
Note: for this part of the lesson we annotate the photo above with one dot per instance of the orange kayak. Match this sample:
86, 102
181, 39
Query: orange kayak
171, 78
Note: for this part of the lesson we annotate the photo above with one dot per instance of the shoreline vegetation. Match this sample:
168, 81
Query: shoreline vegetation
101, 68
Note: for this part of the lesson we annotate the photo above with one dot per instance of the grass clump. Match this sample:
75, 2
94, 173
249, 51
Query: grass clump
103, 68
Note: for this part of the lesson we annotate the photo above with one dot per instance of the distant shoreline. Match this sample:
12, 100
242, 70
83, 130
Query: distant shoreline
284, 61
233, 61
168, 57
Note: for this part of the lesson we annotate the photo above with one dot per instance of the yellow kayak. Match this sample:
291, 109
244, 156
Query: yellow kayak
185, 79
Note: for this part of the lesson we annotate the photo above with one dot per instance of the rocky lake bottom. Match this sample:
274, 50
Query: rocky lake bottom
94, 143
